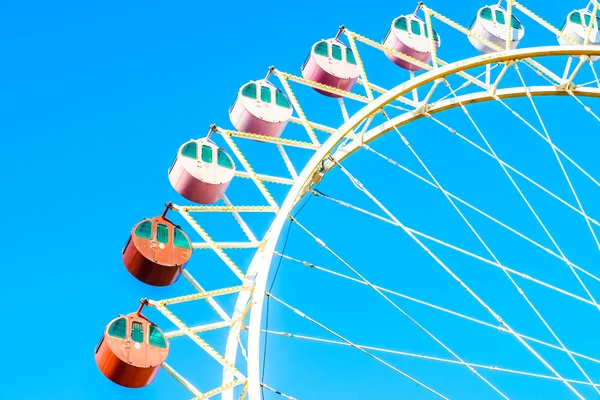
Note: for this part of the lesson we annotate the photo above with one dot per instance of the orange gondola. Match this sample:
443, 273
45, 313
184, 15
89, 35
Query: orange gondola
132, 350
157, 251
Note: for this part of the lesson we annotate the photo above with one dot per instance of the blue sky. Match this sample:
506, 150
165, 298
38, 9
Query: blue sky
96, 97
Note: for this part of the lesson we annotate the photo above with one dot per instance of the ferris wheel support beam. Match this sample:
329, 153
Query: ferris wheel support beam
258, 271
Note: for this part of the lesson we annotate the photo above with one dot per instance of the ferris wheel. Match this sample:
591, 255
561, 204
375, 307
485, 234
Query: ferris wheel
222, 175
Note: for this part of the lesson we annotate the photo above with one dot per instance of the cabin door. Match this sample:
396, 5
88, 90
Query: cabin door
138, 350
163, 250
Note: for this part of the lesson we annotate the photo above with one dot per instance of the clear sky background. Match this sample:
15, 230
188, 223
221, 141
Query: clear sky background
95, 99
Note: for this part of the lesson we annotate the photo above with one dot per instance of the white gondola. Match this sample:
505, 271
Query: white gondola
490, 24
578, 26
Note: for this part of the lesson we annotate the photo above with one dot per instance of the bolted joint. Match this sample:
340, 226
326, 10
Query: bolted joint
422, 109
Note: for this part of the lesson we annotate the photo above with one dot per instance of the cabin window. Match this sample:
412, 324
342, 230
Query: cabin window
322, 49
118, 329
223, 160
181, 241
144, 230
190, 150
207, 154
162, 233
249, 91
435, 36
400, 23
265, 94
137, 332
336, 52
350, 56
281, 100
588, 20
500, 17
486, 14
156, 338
415, 27
575, 17
515, 23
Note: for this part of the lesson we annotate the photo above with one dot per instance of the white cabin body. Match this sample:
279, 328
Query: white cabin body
578, 26
491, 25
409, 35
201, 171
331, 63
260, 108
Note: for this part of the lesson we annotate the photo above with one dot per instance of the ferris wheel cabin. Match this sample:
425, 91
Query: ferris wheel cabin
331, 63
157, 251
201, 171
131, 351
260, 108
490, 24
409, 35
577, 27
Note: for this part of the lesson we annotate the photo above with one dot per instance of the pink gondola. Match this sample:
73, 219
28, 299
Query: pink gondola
201, 171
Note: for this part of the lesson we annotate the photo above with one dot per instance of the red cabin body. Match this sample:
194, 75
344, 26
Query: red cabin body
157, 252
131, 351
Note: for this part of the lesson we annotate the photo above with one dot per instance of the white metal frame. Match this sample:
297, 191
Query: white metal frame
259, 268
354, 134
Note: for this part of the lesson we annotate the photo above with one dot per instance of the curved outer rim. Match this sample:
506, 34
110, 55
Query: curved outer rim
258, 271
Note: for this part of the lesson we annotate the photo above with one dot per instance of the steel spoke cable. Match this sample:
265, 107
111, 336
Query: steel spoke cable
472, 207
560, 163
303, 315
516, 186
396, 306
362, 188
588, 83
263, 386
588, 109
430, 358
262, 378
596, 81
464, 85
436, 307
585, 107
489, 250
466, 252
516, 171
480, 258
561, 152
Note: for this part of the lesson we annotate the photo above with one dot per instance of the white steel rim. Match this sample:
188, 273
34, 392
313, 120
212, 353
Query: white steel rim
258, 271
